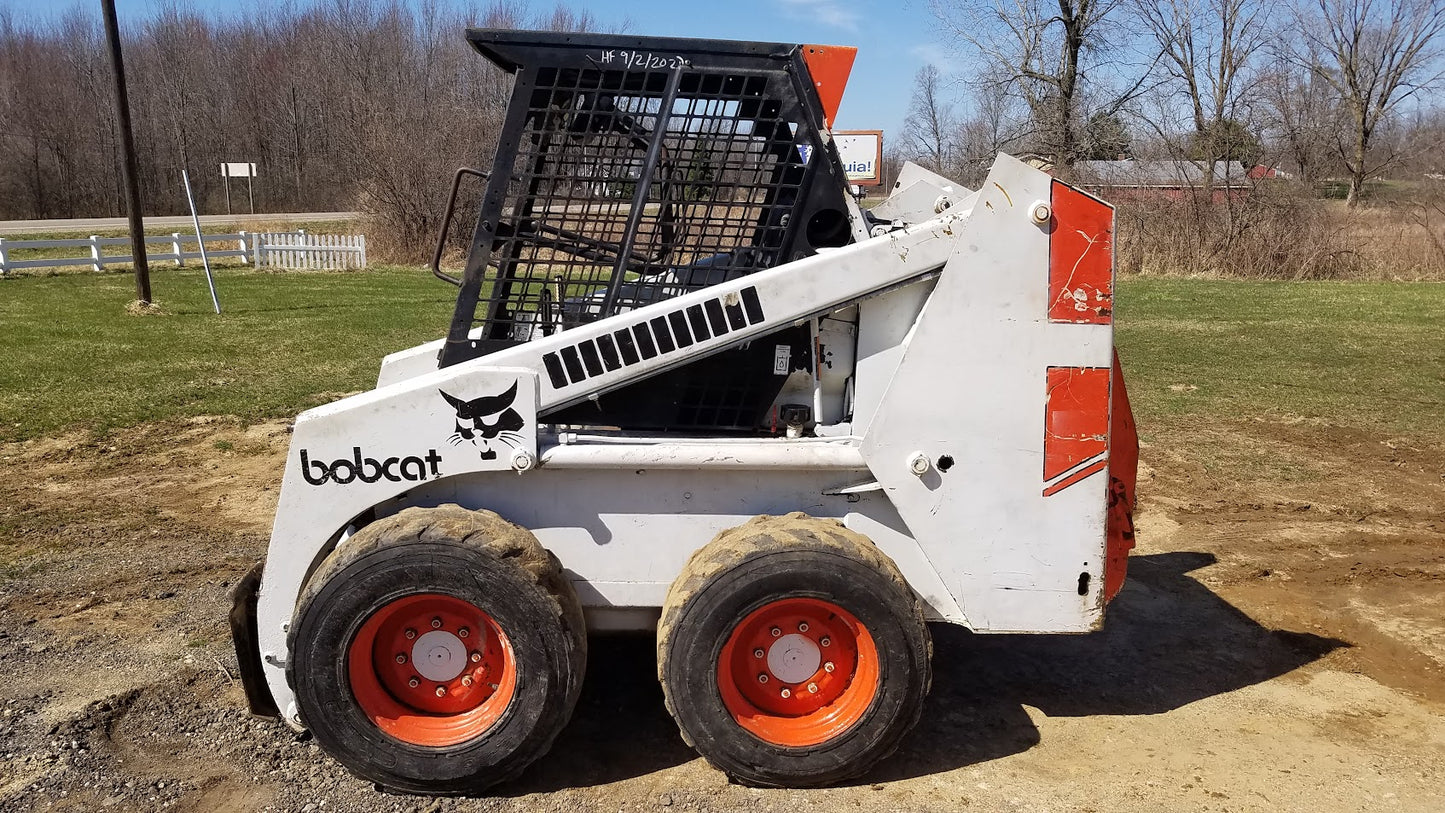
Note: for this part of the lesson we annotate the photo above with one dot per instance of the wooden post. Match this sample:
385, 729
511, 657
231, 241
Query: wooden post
3, 269
127, 150
176, 246
96, 265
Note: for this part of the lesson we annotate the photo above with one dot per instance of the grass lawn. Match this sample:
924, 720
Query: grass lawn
70, 356
1366, 355
1363, 355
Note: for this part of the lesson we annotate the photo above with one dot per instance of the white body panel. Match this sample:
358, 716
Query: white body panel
1015, 556
947, 356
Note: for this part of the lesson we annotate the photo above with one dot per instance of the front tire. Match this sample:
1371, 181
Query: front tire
792, 653
437, 651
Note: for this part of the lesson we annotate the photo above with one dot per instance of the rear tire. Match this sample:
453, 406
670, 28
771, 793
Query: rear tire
437, 651
792, 653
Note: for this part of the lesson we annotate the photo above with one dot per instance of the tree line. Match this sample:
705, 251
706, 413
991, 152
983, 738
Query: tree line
340, 103
1325, 88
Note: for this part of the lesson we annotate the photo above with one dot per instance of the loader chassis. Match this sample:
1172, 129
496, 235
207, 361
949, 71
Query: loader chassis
688, 378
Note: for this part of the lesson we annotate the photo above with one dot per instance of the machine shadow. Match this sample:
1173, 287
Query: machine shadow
1168, 641
620, 729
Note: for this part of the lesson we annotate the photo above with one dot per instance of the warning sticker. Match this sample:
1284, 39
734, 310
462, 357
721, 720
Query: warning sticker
782, 359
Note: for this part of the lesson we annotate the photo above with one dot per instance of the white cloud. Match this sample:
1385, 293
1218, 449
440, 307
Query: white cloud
827, 12
945, 59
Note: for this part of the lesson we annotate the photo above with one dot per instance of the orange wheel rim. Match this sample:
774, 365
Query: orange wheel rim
798, 672
432, 670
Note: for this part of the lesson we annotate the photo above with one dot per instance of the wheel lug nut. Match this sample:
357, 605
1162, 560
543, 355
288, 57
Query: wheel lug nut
828, 667
436, 623
410, 634
812, 688
441, 691
786, 694
466, 680
476, 657
762, 678
802, 626
400, 657
758, 653
776, 632
413, 683
825, 641
463, 632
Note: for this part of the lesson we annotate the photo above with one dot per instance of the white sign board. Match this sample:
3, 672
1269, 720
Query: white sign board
862, 155
238, 170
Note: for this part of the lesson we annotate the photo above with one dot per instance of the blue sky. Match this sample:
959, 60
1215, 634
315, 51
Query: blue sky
892, 43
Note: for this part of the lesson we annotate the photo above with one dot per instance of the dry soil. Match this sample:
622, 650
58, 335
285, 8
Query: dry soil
1279, 646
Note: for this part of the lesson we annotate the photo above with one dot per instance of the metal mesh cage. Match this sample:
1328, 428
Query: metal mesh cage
626, 176
631, 187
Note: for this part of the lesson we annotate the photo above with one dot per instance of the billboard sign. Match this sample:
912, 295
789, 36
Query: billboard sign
862, 155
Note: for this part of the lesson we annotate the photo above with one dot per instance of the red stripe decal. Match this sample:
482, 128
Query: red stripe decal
1075, 477
1081, 259
1076, 418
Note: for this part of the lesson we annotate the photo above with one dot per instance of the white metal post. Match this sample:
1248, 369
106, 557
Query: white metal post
226, 175
201, 240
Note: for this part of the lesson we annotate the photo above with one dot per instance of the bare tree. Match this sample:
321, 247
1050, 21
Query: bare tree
993, 124
1375, 54
1040, 49
1207, 49
341, 103
930, 130
1300, 113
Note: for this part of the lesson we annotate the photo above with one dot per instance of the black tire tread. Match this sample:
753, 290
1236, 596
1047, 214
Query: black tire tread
761, 534
480, 529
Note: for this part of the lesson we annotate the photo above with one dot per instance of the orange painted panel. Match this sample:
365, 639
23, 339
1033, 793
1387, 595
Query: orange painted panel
1076, 418
1123, 474
1081, 259
829, 66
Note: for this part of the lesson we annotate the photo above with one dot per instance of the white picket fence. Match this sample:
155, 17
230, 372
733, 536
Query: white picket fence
277, 250
308, 252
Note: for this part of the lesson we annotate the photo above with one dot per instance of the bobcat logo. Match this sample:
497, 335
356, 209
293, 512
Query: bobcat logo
472, 423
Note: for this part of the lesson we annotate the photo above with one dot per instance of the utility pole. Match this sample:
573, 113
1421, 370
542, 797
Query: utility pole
127, 149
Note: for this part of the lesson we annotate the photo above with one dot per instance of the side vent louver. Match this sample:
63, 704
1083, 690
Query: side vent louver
659, 336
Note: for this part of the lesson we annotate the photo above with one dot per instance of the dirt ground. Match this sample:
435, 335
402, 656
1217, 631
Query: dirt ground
1279, 646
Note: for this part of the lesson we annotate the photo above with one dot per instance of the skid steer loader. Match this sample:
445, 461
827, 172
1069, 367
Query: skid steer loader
690, 385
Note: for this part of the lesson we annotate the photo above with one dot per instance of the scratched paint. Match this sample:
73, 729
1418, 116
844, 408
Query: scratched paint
1081, 259
1076, 425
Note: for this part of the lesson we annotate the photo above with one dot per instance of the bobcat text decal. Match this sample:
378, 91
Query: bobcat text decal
369, 469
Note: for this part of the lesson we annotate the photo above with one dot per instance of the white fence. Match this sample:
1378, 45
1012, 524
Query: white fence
281, 250
299, 250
